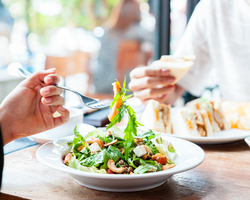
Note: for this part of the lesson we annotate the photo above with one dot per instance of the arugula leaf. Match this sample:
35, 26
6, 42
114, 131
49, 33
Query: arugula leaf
118, 117
112, 149
100, 158
131, 128
147, 137
121, 93
126, 97
117, 96
131, 163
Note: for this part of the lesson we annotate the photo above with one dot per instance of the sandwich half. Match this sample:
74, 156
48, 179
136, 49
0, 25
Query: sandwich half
157, 117
214, 112
178, 65
192, 123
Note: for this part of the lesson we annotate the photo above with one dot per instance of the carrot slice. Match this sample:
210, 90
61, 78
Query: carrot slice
118, 103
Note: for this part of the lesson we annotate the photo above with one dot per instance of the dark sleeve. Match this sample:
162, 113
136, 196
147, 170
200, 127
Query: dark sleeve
1, 157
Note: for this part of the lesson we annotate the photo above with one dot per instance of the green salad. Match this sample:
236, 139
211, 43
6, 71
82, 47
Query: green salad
118, 151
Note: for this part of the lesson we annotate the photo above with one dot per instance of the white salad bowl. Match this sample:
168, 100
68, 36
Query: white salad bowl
189, 156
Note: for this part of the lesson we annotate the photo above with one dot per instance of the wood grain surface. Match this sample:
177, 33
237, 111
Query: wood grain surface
224, 174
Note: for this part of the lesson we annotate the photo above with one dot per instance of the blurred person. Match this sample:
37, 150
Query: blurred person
123, 25
218, 34
29, 109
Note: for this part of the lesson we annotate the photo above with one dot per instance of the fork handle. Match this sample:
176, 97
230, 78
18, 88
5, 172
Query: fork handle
77, 93
66, 88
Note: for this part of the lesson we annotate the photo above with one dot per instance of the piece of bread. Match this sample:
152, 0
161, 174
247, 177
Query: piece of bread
178, 65
157, 117
192, 123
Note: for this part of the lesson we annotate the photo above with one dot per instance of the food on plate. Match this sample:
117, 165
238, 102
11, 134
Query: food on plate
178, 65
147, 153
193, 123
214, 111
118, 103
238, 114
157, 116
118, 151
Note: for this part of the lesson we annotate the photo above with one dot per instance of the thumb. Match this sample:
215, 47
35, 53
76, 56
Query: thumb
37, 78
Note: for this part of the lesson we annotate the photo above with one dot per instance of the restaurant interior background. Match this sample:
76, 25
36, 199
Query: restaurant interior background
71, 36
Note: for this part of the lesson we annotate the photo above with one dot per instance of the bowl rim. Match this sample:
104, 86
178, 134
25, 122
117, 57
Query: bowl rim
75, 172
247, 140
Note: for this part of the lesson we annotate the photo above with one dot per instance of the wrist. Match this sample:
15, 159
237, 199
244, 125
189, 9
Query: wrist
5, 127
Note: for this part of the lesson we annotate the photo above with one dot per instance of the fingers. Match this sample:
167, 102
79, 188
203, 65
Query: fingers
51, 96
154, 93
50, 91
53, 100
148, 77
38, 78
140, 72
63, 118
52, 79
150, 82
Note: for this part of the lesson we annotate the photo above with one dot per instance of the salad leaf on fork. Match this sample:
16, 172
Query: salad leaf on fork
121, 108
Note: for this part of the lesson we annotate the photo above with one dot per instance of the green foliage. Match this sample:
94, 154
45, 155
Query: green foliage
85, 14
131, 128
100, 159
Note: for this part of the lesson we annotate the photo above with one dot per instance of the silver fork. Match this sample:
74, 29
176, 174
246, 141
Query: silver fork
87, 101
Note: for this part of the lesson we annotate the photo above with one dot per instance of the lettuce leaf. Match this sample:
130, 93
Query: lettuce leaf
100, 158
145, 168
95, 133
147, 137
78, 137
166, 148
74, 163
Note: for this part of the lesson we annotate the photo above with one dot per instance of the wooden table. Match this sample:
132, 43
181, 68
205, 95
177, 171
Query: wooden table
224, 174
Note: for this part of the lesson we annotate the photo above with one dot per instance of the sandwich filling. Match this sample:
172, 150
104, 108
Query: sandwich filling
214, 112
200, 124
218, 117
162, 112
195, 121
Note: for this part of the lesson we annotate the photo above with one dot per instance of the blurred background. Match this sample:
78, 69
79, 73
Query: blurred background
90, 42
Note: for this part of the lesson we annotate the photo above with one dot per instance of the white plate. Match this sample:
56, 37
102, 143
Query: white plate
221, 137
247, 140
42, 138
190, 156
